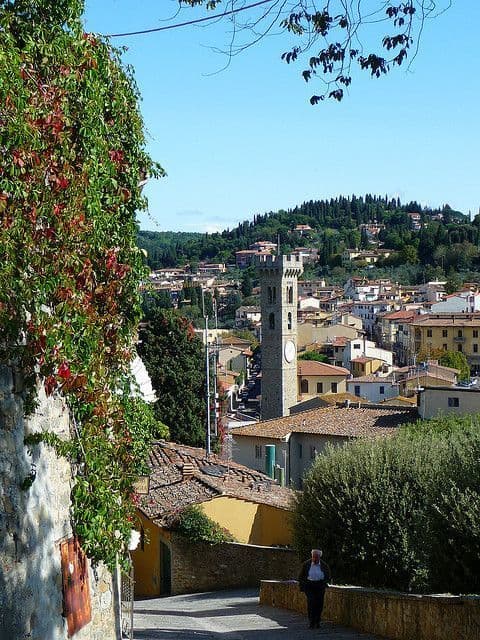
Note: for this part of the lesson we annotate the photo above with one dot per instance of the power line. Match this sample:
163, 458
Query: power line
189, 22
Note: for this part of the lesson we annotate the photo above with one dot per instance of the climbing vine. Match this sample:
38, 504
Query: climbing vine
72, 166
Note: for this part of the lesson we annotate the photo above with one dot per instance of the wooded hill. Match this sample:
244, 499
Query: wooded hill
447, 238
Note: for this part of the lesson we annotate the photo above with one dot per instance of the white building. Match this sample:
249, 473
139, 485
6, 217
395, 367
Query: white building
458, 302
363, 348
373, 388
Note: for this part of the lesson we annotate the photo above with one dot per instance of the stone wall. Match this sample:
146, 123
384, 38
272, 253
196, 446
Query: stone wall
33, 523
204, 567
397, 616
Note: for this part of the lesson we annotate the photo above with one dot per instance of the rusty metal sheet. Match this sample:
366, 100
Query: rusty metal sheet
76, 589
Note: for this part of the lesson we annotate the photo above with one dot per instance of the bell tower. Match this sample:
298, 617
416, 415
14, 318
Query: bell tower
278, 303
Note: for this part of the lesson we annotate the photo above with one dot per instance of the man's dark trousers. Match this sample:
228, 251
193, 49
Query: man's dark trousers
315, 592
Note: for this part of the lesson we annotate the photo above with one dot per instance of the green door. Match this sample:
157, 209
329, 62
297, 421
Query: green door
165, 569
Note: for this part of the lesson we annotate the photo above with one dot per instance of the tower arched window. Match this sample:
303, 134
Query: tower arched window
289, 321
269, 295
290, 295
271, 321
304, 386
274, 294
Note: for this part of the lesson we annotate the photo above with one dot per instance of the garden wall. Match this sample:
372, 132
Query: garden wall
205, 567
34, 521
397, 616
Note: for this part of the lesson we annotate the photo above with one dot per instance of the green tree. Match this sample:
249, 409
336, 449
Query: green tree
174, 358
332, 41
456, 360
313, 355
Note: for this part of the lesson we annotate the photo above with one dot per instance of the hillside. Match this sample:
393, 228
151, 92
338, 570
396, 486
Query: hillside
432, 237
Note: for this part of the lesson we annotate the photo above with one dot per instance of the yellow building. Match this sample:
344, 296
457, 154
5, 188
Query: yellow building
447, 332
251, 506
364, 366
315, 378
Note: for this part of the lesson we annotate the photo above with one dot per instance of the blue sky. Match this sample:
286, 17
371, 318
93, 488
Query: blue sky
245, 140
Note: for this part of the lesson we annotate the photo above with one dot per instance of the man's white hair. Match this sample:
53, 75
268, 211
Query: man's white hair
317, 551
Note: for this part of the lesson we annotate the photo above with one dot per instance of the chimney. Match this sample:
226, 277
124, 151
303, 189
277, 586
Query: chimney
347, 404
187, 471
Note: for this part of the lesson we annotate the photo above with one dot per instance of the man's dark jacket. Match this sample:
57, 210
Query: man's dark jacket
303, 577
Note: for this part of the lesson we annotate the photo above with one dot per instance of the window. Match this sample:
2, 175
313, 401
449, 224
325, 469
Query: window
453, 402
313, 452
290, 295
444, 333
382, 391
445, 347
460, 333
357, 390
271, 321
475, 348
429, 333
274, 294
289, 321
258, 451
304, 386
269, 295
334, 387
475, 333
459, 347
319, 387
300, 450
356, 346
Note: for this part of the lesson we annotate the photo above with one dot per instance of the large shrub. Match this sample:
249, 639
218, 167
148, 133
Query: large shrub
400, 513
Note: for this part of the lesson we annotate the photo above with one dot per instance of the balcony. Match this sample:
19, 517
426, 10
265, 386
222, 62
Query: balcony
459, 339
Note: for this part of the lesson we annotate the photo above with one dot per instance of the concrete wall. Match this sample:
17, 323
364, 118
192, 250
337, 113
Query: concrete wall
397, 616
204, 567
33, 523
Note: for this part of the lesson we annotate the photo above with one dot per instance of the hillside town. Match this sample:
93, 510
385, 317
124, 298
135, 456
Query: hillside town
233, 430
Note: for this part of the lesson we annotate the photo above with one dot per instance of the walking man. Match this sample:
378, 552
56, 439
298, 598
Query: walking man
314, 578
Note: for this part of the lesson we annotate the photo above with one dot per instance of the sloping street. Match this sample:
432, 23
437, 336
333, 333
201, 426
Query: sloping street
229, 615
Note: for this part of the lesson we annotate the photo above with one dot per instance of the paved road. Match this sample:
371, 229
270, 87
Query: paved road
227, 615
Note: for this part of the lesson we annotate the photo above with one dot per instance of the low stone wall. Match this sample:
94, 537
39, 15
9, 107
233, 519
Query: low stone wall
204, 567
397, 616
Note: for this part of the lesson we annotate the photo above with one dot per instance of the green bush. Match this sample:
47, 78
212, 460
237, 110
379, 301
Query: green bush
196, 526
400, 513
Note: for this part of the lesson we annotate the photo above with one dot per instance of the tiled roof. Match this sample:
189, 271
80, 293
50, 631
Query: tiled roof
363, 359
350, 422
315, 368
205, 478
448, 320
373, 378
404, 314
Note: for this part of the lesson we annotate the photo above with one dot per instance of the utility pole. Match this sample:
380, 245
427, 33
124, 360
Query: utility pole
207, 373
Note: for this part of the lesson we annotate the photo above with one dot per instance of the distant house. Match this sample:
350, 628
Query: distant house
245, 316
315, 378
302, 229
374, 388
359, 352
435, 401
249, 504
300, 437
459, 302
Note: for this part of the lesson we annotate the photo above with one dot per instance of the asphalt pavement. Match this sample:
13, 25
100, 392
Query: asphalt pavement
227, 615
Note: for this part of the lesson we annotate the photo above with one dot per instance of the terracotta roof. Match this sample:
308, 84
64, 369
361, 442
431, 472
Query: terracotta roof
363, 359
340, 341
350, 422
205, 478
403, 314
449, 320
373, 378
315, 368
339, 398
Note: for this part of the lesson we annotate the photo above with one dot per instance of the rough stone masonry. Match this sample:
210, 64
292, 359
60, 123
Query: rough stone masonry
33, 523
